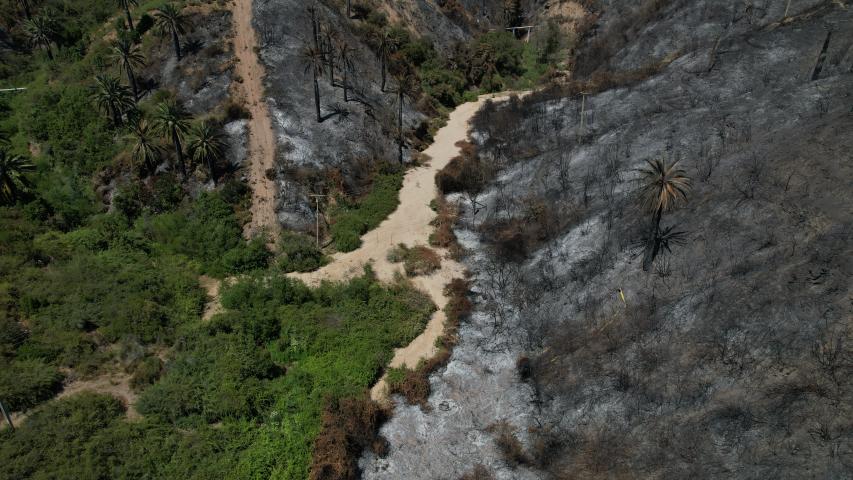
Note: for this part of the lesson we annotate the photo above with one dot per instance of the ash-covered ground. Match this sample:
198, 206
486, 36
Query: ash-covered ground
731, 357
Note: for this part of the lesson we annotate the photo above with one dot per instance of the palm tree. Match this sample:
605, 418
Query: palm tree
169, 21
145, 148
113, 98
129, 57
313, 60
25, 6
207, 145
405, 84
172, 122
125, 4
12, 180
386, 45
345, 54
39, 31
664, 188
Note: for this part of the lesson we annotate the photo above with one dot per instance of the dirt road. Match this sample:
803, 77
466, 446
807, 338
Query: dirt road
261, 148
409, 224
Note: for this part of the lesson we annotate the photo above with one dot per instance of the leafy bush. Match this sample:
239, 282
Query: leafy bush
298, 253
117, 293
146, 372
350, 221
246, 257
26, 383
206, 231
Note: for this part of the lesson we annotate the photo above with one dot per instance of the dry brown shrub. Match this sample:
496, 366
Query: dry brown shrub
480, 472
421, 260
350, 426
415, 385
509, 445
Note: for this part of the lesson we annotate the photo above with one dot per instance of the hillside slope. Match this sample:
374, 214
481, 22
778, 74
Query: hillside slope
731, 356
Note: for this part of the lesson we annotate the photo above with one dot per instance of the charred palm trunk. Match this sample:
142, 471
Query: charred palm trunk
49, 51
382, 66
177, 42
346, 84
652, 245
116, 115
400, 127
212, 168
317, 95
349, 8
179, 152
129, 18
131, 78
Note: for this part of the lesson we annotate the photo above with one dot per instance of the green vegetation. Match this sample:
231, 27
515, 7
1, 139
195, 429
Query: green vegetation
264, 368
299, 253
491, 62
351, 220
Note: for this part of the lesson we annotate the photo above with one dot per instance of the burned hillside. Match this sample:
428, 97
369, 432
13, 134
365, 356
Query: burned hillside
728, 355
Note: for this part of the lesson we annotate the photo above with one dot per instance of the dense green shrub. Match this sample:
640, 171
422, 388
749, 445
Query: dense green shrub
299, 253
146, 372
26, 383
246, 257
206, 231
351, 220
117, 293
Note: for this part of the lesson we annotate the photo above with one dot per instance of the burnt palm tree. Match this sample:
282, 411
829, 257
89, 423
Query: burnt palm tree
313, 61
145, 150
663, 188
13, 183
345, 53
207, 145
169, 21
171, 122
129, 57
112, 98
126, 4
330, 39
39, 31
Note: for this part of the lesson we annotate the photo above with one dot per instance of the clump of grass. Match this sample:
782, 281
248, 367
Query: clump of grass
417, 260
351, 220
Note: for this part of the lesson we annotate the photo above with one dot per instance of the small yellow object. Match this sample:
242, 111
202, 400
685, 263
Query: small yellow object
622, 296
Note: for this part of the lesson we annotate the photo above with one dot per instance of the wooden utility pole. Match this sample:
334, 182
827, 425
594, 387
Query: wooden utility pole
6, 414
583, 108
317, 215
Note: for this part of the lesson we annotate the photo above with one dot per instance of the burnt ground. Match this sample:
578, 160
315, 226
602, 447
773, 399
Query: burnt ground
732, 356
202, 80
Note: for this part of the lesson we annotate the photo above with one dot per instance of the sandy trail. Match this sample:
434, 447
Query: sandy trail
409, 224
261, 148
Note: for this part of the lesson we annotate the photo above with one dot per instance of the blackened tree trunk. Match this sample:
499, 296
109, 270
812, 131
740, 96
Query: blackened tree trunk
346, 85
382, 67
132, 79
179, 152
349, 8
177, 42
316, 94
653, 244
129, 18
400, 126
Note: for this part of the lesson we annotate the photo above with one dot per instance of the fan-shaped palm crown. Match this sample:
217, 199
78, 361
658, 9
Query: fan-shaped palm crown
664, 186
12, 179
112, 97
